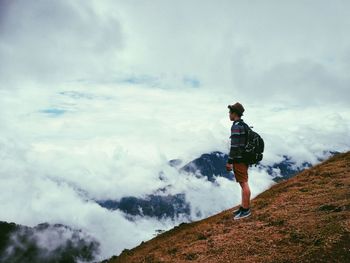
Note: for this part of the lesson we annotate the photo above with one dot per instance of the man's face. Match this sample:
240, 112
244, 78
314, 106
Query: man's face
232, 115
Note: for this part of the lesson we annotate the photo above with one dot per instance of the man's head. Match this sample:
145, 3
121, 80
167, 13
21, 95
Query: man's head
236, 111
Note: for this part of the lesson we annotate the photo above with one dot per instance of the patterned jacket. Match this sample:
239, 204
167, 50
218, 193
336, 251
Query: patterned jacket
238, 138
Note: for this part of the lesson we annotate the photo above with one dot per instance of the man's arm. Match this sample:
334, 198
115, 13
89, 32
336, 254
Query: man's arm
237, 142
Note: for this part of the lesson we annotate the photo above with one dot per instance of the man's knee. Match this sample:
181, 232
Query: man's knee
244, 184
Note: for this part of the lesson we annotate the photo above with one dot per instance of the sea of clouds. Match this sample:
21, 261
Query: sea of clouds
96, 98
114, 141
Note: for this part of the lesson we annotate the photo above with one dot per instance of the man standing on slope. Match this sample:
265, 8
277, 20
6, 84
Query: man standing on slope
236, 161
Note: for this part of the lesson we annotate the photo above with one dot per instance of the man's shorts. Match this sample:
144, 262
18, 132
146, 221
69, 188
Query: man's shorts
241, 172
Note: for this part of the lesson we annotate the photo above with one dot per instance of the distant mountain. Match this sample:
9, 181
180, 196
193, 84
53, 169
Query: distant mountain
152, 205
45, 243
209, 165
303, 219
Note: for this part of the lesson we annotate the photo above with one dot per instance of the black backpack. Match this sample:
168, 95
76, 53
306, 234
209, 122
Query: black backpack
254, 146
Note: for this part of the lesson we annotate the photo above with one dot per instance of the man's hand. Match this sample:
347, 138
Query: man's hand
229, 167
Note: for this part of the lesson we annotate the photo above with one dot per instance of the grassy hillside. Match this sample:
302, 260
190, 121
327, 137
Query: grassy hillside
303, 219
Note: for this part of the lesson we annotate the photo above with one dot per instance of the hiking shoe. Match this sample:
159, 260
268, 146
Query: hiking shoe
235, 212
243, 214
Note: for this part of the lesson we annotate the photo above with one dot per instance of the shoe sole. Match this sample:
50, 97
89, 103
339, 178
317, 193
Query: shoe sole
237, 218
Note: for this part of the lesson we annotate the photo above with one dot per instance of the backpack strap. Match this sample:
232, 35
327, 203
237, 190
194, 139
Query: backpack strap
246, 127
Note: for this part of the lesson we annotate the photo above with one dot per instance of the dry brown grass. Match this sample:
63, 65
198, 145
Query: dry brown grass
303, 219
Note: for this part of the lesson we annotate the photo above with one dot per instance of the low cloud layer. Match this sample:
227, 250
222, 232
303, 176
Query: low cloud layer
114, 141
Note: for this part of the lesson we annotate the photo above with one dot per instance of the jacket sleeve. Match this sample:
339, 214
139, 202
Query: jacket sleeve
237, 143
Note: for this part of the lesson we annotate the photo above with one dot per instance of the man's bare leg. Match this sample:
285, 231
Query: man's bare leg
245, 194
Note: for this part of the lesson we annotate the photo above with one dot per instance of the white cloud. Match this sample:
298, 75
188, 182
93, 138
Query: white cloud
265, 52
113, 141
57, 41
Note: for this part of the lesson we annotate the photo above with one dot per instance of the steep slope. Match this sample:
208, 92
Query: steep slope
303, 219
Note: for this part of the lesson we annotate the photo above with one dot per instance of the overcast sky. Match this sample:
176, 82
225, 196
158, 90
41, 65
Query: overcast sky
97, 96
257, 50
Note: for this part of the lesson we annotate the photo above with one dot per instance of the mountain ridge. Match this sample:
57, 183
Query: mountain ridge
305, 218
208, 165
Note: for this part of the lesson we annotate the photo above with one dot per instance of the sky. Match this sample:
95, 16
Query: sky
97, 96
